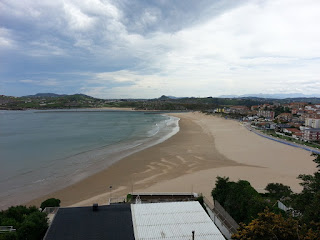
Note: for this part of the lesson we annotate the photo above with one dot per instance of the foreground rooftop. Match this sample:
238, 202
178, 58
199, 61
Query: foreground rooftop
156, 221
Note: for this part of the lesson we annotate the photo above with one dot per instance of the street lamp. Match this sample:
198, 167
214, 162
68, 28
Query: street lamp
110, 187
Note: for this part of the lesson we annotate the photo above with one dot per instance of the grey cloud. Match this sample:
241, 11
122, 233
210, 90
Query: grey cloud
145, 17
176, 40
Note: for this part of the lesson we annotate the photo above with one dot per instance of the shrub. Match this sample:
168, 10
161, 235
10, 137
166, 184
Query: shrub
51, 202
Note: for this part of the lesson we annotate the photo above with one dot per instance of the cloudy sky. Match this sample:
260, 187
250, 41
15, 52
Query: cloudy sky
147, 48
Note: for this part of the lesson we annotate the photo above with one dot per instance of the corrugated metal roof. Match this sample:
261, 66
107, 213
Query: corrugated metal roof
174, 221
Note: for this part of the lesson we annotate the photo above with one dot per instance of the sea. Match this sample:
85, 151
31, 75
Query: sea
43, 151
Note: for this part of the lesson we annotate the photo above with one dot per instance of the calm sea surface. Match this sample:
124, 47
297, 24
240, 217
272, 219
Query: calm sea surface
42, 151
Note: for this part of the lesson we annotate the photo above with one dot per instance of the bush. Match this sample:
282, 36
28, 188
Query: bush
269, 225
29, 223
51, 202
239, 199
278, 190
129, 197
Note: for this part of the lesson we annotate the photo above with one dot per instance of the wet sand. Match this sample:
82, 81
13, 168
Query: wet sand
190, 150
204, 148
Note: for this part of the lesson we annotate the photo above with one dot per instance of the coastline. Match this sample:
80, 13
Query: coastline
205, 147
163, 161
264, 161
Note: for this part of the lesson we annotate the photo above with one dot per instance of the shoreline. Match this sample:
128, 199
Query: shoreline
163, 161
204, 148
268, 161
96, 159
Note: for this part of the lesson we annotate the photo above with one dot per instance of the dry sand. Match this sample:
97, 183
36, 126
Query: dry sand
204, 148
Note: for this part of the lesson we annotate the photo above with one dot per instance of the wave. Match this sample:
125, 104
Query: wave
51, 176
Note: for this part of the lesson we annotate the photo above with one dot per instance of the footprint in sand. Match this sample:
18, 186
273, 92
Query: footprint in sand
149, 168
168, 162
181, 159
168, 167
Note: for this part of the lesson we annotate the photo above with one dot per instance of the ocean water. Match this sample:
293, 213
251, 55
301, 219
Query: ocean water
43, 151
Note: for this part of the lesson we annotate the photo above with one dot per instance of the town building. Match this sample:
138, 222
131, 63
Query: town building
287, 117
295, 133
266, 114
239, 109
312, 122
311, 134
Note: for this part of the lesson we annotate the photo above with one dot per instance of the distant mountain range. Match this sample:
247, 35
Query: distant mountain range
273, 96
52, 95
45, 95
164, 97
64, 101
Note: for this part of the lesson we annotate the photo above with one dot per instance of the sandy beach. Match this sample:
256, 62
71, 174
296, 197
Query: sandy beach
204, 148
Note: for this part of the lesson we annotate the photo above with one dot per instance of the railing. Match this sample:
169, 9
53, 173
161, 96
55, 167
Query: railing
4, 229
165, 193
50, 210
208, 203
115, 200
223, 215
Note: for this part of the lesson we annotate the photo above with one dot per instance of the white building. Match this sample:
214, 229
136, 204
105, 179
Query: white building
312, 122
172, 221
312, 134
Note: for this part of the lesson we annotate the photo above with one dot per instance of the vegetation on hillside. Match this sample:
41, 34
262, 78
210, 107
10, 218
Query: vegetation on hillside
240, 199
259, 216
53, 101
269, 225
29, 223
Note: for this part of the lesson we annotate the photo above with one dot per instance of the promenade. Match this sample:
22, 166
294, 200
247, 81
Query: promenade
310, 149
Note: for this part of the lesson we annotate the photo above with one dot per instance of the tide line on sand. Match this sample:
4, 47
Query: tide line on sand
204, 148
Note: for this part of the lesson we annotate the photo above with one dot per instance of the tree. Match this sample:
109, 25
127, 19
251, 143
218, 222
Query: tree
34, 226
306, 201
278, 190
51, 202
239, 199
269, 225
312, 210
220, 192
311, 183
29, 223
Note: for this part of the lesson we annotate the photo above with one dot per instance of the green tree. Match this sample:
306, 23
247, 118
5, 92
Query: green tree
239, 199
34, 227
29, 223
307, 201
51, 202
269, 225
8, 236
312, 210
221, 190
278, 190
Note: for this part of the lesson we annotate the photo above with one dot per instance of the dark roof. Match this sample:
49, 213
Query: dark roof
109, 222
312, 129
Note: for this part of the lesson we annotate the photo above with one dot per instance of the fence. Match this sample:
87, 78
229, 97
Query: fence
50, 210
226, 224
115, 200
224, 216
4, 229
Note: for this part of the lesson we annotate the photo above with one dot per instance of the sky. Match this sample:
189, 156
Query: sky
149, 48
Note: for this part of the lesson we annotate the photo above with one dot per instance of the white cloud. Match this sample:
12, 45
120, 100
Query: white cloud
42, 82
258, 46
6, 40
248, 49
76, 19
